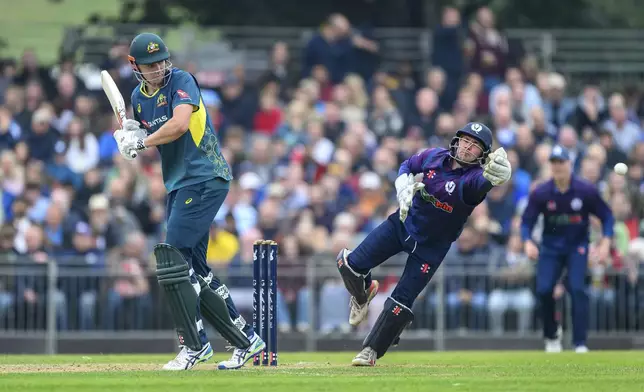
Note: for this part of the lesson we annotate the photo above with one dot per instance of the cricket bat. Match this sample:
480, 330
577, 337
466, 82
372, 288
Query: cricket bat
116, 100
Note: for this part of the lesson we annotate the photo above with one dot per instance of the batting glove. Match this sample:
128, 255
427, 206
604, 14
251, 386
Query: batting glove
128, 142
134, 126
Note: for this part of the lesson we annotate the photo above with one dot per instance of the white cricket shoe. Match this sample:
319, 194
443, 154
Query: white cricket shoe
359, 312
242, 355
187, 359
581, 349
366, 357
554, 345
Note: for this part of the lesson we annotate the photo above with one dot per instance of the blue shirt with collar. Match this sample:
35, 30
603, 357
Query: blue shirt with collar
566, 214
440, 210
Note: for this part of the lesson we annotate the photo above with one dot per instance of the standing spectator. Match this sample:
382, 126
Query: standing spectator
447, 54
319, 51
486, 48
281, 70
332, 48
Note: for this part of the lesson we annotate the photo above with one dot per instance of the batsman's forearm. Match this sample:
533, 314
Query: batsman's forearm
169, 132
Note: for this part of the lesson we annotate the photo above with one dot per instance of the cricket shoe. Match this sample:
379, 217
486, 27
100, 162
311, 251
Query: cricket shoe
242, 355
187, 359
359, 312
366, 357
554, 345
581, 349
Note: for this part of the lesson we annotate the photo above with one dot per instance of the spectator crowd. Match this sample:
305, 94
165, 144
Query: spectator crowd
315, 147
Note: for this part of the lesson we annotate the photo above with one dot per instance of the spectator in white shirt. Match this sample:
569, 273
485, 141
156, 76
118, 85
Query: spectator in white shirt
82, 148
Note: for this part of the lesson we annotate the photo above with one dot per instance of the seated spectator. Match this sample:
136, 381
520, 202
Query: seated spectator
463, 289
269, 116
384, 118
512, 291
292, 295
128, 298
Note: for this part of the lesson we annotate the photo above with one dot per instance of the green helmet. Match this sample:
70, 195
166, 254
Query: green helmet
148, 48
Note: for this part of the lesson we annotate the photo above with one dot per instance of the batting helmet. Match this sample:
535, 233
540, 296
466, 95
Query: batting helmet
148, 48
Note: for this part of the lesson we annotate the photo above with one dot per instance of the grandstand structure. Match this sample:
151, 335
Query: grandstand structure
613, 57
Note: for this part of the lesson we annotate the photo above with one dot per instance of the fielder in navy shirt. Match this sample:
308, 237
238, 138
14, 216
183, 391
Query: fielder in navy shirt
566, 202
437, 190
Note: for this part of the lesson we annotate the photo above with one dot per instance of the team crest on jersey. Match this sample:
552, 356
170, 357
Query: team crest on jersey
576, 204
161, 101
138, 108
450, 186
153, 47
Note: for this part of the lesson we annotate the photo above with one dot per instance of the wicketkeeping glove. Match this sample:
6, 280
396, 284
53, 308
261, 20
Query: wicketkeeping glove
497, 169
406, 188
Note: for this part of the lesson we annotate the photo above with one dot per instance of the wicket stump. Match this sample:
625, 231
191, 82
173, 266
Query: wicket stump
264, 299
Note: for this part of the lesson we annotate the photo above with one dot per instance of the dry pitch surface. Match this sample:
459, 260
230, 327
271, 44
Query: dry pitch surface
302, 372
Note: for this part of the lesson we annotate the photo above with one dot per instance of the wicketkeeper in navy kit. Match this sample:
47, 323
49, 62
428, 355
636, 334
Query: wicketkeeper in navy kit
170, 115
566, 201
432, 213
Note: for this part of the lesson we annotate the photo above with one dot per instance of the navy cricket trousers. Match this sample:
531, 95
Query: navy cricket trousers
549, 269
190, 213
389, 239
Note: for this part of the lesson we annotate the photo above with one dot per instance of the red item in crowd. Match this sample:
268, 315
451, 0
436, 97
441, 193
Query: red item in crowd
267, 121
326, 92
298, 154
633, 225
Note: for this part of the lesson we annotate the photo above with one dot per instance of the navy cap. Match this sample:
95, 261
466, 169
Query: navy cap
559, 154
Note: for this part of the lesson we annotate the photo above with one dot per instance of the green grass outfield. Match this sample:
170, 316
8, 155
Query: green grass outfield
40, 24
301, 372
